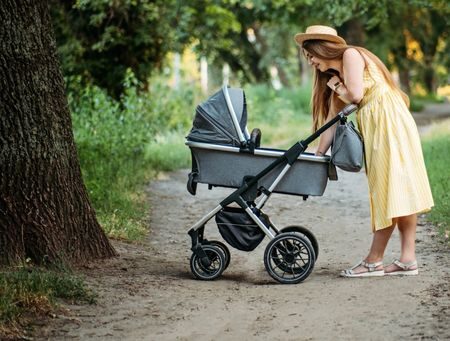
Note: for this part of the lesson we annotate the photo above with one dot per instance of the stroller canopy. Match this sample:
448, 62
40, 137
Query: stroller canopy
221, 119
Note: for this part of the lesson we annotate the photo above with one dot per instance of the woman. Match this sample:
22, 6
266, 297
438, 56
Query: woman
398, 182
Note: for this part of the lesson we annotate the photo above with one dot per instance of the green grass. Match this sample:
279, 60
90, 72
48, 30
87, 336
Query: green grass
28, 292
417, 103
436, 146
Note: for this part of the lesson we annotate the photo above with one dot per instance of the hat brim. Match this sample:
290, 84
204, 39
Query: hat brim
301, 37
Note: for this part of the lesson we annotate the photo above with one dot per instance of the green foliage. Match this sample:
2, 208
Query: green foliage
417, 103
100, 40
122, 144
35, 290
435, 147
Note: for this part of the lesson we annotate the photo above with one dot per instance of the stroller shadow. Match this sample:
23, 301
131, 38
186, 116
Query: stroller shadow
238, 278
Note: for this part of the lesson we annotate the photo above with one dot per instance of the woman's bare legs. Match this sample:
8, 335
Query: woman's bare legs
407, 228
379, 242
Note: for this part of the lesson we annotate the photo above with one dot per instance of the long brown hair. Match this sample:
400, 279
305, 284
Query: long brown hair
322, 94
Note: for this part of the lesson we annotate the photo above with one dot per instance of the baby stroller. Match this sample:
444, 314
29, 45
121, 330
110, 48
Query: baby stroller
224, 154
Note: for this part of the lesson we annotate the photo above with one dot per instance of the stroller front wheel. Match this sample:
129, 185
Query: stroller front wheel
289, 258
224, 249
209, 267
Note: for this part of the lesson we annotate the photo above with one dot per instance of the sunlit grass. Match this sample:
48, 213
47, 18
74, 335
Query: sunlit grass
436, 146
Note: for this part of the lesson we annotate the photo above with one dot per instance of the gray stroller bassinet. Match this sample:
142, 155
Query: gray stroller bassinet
224, 154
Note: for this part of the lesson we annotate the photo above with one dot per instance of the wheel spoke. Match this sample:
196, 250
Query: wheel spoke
301, 267
279, 250
279, 264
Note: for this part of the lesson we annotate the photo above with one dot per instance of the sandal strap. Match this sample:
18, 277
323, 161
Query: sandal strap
371, 266
405, 266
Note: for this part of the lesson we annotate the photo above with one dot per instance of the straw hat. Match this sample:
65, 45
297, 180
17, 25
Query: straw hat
319, 32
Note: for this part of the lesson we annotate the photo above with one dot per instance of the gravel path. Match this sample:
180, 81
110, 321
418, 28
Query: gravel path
148, 293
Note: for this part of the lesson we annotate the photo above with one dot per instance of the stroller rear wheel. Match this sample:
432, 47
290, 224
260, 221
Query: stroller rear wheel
209, 267
289, 258
306, 233
224, 249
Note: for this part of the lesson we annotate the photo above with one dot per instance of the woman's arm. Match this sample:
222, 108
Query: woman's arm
352, 88
326, 138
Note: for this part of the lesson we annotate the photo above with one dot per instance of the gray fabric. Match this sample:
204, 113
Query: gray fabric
347, 149
213, 122
221, 168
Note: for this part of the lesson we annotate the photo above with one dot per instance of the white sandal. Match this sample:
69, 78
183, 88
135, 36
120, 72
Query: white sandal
405, 269
371, 270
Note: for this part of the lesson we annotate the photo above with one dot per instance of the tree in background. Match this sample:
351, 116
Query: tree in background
45, 214
100, 40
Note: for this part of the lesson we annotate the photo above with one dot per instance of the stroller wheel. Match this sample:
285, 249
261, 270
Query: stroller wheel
289, 258
209, 267
305, 233
224, 249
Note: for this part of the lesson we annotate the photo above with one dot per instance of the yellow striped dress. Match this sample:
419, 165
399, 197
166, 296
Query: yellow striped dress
398, 181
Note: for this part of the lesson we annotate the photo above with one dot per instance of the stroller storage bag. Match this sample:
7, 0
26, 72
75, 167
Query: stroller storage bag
238, 229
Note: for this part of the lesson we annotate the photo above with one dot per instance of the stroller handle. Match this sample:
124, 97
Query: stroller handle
340, 115
349, 109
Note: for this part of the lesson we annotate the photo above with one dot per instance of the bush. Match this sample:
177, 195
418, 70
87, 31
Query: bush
121, 144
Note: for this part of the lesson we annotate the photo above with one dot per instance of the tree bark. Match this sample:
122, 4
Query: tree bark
45, 213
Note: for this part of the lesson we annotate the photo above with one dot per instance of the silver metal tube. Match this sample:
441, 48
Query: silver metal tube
233, 114
279, 177
265, 197
262, 201
258, 151
206, 218
259, 223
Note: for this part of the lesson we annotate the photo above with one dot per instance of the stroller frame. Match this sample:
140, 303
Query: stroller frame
210, 258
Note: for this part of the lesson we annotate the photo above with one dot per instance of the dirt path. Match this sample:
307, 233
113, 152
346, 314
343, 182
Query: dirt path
148, 292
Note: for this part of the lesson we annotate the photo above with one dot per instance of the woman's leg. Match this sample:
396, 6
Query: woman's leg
379, 242
407, 228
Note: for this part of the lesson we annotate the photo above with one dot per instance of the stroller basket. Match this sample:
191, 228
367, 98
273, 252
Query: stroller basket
226, 166
238, 229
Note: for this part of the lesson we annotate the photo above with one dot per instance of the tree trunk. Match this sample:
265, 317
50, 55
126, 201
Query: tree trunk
405, 80
353, 32
429, 79
45, 213
302, 67
265, 50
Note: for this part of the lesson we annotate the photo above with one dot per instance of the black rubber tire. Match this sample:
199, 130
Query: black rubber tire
224, 249
214, 269
289, 258
307, 233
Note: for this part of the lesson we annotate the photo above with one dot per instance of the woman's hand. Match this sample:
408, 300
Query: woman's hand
334, 83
